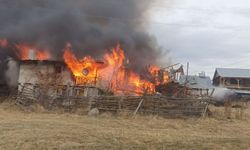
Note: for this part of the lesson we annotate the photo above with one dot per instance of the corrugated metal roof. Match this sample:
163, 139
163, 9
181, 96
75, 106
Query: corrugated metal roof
196, 82
231, 72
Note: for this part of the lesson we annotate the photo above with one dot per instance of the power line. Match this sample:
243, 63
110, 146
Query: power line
170, 8
236, 62
136, 21
204, 10
225, 10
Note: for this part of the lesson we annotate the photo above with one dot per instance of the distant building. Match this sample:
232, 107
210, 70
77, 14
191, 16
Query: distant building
238, 79
197, 85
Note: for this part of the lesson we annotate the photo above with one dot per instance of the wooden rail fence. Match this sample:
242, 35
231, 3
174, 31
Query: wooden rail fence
155, 105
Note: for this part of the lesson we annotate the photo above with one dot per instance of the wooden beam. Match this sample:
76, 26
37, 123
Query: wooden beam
138, 107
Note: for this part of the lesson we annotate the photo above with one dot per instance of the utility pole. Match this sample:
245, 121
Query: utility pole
187, 72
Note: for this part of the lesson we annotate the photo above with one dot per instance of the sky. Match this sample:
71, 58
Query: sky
208, 34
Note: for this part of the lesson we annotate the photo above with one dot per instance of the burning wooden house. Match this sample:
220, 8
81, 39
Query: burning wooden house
112, 73
74, 77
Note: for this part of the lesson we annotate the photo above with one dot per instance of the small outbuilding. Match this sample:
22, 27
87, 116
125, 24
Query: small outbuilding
51, 78
200, 85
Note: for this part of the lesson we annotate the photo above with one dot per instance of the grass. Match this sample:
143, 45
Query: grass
40, 130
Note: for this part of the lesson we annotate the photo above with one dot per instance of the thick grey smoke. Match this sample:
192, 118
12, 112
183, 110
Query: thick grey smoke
91, 26
11, 73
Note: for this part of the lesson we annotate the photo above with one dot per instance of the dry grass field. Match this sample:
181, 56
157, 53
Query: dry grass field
41, 130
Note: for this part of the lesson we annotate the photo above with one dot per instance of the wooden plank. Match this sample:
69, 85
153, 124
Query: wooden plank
138, 107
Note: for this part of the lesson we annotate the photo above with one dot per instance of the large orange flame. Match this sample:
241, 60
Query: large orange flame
84, 70
160, 76
113, 73
27, 52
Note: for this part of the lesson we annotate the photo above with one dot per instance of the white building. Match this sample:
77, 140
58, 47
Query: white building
50, 77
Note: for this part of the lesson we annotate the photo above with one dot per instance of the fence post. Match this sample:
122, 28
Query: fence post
138, 107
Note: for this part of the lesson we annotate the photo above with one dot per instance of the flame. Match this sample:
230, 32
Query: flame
122, 78
25, 52
160, 76
4, 43
166, 77
112, 72
84, 70
153, 70
141, 86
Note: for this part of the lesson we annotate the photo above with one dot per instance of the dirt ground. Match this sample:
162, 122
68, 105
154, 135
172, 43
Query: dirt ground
43, 130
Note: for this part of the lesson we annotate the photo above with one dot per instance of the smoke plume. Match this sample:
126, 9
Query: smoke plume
222, 94
91, 26
11, 73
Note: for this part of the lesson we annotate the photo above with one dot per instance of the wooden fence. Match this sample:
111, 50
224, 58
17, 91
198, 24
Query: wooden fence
154, 105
